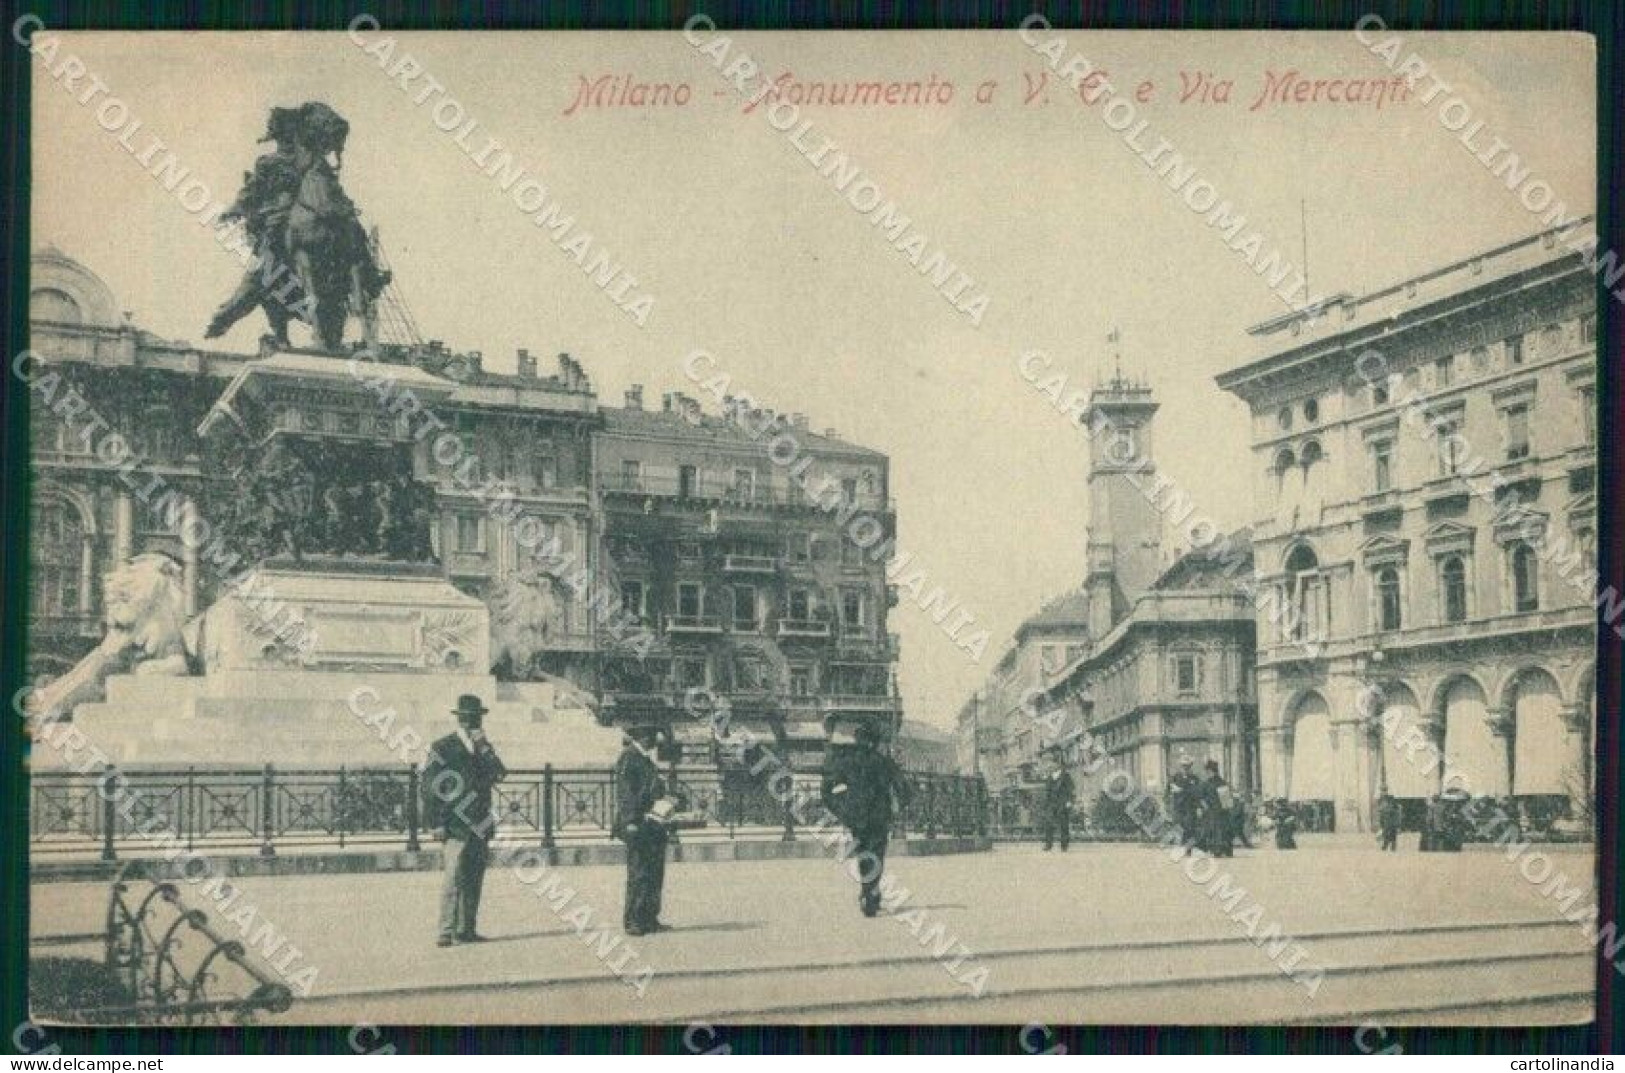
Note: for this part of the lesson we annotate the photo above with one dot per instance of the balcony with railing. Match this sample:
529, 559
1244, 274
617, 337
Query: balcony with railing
718, 489
750, 564
803, 627
680, 623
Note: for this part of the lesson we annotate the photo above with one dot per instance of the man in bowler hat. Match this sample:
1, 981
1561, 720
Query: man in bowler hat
458, 778
641, 805
858, 786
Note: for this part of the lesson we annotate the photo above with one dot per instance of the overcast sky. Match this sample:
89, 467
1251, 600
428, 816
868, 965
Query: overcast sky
752, 255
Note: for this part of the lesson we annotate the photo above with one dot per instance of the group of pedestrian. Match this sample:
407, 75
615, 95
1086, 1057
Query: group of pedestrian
862, 789
1211, 816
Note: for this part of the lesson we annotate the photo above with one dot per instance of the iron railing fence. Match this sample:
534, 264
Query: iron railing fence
121, 814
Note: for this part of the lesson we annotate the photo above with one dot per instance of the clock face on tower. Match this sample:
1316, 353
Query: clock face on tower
1123, 446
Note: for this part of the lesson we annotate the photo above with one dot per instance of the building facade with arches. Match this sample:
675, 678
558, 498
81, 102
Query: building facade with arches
1424, 463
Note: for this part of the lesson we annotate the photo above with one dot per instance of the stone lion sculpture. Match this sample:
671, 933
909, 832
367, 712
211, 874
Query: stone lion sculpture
147, 633
527, 609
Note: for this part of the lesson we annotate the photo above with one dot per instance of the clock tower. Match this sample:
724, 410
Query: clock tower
1125, 528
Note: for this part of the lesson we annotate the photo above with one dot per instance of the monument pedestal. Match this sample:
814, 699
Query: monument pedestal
321, 667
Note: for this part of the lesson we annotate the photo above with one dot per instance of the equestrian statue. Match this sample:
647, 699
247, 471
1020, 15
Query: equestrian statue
314, 262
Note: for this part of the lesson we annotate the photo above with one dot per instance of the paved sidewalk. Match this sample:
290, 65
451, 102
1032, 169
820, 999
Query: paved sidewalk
374, 934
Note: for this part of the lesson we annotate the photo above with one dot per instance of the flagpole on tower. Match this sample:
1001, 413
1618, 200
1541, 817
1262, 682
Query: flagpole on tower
1115, 338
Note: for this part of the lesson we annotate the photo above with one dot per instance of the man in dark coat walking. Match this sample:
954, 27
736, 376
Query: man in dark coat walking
858, 786
641, 807
458, 777
1058, 790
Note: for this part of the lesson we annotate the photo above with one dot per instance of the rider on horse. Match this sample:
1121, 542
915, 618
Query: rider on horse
295, 180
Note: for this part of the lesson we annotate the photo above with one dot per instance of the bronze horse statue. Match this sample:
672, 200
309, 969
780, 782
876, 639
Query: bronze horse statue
315, 261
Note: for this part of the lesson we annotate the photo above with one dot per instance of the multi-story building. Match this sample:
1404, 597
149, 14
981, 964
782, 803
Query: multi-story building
1043, 645
744, 571
1172, 679
922, 747
1153, 660
740, 558
1424, 462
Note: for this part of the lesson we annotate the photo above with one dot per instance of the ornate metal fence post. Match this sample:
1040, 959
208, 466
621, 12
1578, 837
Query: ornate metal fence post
930, 807
268, 812
110, 781
341, 804
789, 809
547, 806
413, 820
189, 807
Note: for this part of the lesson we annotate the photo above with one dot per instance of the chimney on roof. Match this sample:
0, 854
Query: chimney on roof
691, 408
634, 397
527, 364
798, 421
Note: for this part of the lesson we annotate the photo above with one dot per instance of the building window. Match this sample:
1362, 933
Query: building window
1448, 441
1311, 410
801, 681
744, 484
688, 551
1382, 465
1588, 328
157, 437
1388, 599
849, 489
633, 599
631, 474
1441, 372
1379, 394
851, 554
470, 533
689, 672
745, 607
159, 515
1453, 588
1311, 454
1514, 347
688, 601
1306, 612
1480, 359
56, 580
1525, 578
1284, 418
544, 470
1282, 465
1187, 675
1588, 412
800, 606
1516, 417
852, 610
688, 481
